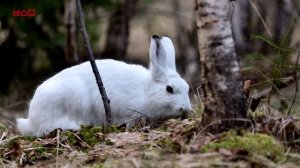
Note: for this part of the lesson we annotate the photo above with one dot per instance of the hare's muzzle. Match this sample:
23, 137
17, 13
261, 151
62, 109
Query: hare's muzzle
185, 113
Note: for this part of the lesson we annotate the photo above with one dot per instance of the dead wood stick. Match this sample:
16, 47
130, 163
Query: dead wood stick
93, 64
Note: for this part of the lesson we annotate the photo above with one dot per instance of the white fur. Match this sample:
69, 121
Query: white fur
71, 98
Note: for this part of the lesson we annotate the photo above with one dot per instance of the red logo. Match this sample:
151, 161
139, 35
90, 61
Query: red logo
24, 12
31, 12
16, 12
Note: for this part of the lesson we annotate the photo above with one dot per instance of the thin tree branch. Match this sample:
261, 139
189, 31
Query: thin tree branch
93, 63
261, 18
296, 84
296, 92
57, 146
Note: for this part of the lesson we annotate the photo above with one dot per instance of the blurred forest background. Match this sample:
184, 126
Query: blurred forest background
267, 36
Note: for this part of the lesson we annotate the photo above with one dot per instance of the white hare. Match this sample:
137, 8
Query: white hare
71, 98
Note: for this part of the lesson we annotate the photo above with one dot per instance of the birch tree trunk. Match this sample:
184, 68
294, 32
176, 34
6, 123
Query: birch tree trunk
118, 31
71, 55
223, 95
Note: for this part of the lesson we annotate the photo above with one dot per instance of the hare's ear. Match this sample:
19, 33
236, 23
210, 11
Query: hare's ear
162, 56
169, 50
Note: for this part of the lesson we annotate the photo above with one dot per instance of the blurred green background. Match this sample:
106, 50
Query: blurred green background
34, 48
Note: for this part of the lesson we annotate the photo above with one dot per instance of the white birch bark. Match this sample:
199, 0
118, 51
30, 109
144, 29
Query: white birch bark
223, 95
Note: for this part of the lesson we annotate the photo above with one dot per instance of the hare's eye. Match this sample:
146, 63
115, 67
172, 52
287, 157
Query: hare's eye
169, 89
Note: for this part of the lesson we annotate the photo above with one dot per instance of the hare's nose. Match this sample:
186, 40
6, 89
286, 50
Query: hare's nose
185, 109
185, 112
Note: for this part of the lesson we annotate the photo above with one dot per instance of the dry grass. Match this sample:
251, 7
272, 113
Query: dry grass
175, 143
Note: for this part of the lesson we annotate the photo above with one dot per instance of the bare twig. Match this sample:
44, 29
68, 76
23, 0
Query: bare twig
4, 134
87, 46
32, 149
144, 115
204, 129
269, 100
21, 158
296, 84
83, 142
2, 164
57, 147
261, 18
198, 99
219, 121
296, 92
227, 119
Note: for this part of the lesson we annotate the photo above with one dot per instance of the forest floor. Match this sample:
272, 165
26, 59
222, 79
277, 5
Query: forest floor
266, 142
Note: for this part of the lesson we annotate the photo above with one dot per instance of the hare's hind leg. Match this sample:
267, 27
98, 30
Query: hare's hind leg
25, 127
64, 123
29, 128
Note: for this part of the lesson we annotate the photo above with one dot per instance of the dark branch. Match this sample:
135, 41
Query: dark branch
93, 64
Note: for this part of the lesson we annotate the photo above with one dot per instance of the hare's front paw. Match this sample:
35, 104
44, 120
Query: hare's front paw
139, 122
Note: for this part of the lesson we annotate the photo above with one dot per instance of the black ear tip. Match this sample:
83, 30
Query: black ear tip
155, 36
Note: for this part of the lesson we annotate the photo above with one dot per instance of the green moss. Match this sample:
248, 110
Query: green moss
93, 135
89, 134
40, 150
41, 153
257, 114
70, 136
169, 146
100, 165
11, 143
109, 142
31, 147
29, 138
115, 129
256, 143
16, 140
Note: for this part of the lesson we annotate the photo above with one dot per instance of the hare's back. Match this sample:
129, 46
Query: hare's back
118, 70
118, 77
108, 68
